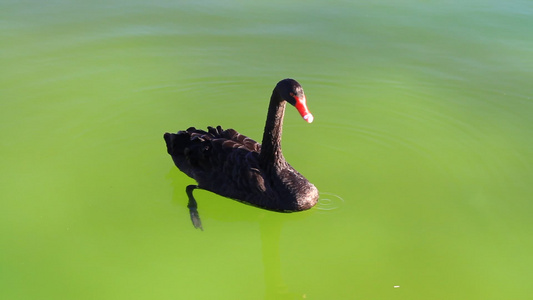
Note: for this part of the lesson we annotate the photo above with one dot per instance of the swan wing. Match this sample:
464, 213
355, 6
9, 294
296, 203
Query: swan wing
223, 161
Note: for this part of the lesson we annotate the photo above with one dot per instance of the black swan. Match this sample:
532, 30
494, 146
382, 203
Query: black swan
232, 165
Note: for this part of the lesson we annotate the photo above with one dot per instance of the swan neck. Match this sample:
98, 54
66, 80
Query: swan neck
271, 155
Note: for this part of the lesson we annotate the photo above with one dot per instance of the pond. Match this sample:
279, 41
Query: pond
421, 149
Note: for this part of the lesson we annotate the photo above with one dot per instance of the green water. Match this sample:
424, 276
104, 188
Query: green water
421, 149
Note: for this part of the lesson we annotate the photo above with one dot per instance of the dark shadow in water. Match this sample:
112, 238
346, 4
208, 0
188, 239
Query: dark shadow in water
275, 288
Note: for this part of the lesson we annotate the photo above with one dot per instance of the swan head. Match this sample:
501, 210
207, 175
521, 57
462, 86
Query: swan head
291, 91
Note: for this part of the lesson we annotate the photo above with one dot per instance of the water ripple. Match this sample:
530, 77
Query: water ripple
329, 202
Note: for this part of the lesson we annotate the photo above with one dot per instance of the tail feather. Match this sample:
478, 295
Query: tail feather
177, 142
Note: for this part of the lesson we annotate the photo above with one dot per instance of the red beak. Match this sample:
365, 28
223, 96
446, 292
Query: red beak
301, 106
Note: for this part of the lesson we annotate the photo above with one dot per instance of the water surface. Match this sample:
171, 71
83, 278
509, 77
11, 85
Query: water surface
421, 148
